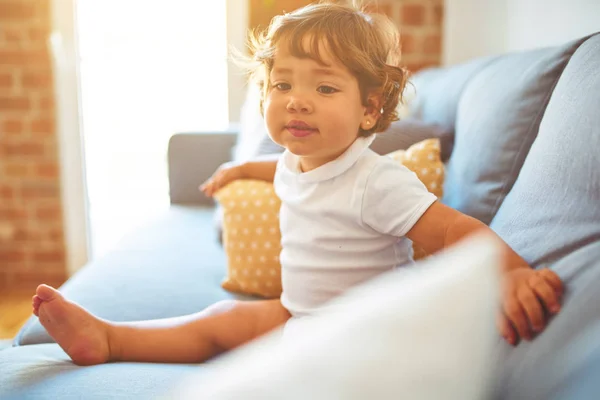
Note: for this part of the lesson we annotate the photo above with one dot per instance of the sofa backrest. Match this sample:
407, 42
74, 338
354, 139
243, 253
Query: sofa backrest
552, 218
496, 106
549, 209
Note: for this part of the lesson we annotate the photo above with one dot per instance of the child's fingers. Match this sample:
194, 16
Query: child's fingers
514, 312
546, 293
553, 279
506, 329
531, 305
208, 189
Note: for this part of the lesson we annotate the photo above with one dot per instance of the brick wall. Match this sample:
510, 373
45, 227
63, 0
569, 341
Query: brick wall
420, 23
31, 233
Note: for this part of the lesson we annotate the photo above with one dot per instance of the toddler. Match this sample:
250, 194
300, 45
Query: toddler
330, 80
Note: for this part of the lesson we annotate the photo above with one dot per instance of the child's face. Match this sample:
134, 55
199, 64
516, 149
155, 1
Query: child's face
313, 110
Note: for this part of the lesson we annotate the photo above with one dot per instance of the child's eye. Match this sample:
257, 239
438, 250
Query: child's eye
326, 89
282, 86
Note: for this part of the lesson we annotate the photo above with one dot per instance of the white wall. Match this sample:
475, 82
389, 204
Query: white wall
475, 28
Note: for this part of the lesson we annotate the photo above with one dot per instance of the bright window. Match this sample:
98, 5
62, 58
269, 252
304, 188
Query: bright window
148, 69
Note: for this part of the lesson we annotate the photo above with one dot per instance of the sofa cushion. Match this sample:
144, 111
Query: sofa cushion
438, 91
172, 266
553, 208
403, 134
45, 372
498, 118
537, 370
552, 218
583, 379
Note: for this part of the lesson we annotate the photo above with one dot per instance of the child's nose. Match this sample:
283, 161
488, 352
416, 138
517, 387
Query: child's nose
299, 104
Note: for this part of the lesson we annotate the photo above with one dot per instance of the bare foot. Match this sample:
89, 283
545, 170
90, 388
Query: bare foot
80, 334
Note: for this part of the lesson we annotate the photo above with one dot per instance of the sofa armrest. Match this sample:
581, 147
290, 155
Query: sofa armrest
193, 158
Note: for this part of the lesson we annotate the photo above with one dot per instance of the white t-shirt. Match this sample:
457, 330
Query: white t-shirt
343, 223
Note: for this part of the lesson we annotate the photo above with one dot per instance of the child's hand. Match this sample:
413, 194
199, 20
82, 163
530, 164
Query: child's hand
530, 298
225, 174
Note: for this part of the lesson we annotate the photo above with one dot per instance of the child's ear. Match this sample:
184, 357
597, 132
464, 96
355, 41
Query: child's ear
372, 111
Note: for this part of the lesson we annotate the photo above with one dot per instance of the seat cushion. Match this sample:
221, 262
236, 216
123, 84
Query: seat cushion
45, 372
537, 370
498, 118
552, 218
173, 266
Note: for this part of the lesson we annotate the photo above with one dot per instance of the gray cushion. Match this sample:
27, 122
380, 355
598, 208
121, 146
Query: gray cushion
403, 134
193, 158
553, 208
438, 91
498, 119
45, 372
173, 266
552, 217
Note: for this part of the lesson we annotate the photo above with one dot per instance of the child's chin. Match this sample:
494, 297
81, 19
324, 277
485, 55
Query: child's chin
299, 150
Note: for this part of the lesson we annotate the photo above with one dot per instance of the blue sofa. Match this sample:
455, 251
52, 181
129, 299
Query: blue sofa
526, 161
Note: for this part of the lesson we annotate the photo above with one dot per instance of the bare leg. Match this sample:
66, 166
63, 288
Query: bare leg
193, 338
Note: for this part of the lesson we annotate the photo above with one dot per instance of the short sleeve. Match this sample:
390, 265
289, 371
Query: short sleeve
394, 199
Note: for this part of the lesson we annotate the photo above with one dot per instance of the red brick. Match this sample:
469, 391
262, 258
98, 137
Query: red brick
43, 9
17, 170
33, 80
15, 103
411, 44
46, 103
413, 14
49, 256
23, 234
433, 44
52, 274
56, 235
13, 214
40, 190
42, 127
16, 10
49, 213
24, 57
438, 15
12, 255
11, 35
6, 80
47, 170
6, 192
39, 33
23, 149
12, 127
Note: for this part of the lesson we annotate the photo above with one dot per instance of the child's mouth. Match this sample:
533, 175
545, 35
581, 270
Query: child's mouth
300, 129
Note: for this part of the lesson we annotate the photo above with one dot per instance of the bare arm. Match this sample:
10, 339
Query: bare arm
529, 296
442, 226
263, 170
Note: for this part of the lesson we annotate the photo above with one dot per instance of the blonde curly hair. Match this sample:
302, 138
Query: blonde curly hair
367, 44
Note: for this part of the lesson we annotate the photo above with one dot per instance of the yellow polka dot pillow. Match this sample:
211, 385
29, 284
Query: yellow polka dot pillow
251, 236
424, 160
